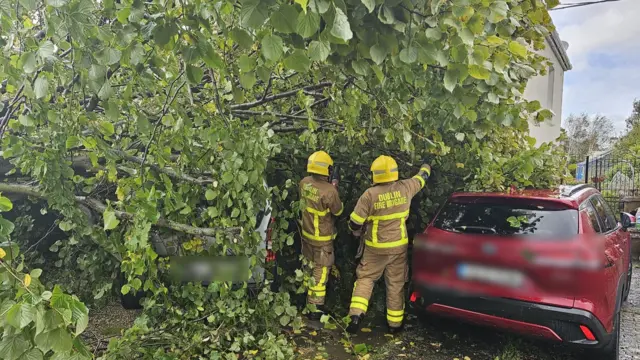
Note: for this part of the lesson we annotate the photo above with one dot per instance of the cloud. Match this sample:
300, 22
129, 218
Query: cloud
604, 48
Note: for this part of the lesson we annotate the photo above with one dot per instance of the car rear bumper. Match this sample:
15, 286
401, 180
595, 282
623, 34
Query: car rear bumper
546, 322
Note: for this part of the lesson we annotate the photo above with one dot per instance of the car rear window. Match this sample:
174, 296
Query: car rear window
506, 218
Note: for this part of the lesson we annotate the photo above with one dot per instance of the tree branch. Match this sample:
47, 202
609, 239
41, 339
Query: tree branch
279, 96
167, 171
284, 117
100, 207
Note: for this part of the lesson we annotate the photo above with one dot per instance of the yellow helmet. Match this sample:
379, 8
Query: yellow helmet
384, 169
319, 163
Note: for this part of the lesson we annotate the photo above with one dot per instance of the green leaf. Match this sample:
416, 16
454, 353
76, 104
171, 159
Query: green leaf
369, 4
319, 6
308, 24
495, 40
467, 37
72, 141
35, 273
253, 13
450, 80
341, 27
6, 227
242, 38
110, 219
28, 62
126, 288
247, 80
227, 177
212, 59
476, 24
284, 320
47, 50
58, 340
517, 49
26, 120
460, 136
433, 34
20, 315
285, 20
57, 3
493, 98
235, 213
33, 354
298, 61
246, 64
378, 53
386, 16
209, 195
108, 56
194, 74
409, 55
106, 128
533, 106
123, 15
319, 50
471, 115
479, 72
272, 47
5, 204
12, 346
361, 67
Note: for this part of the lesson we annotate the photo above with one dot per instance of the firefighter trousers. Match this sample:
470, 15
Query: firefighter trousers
370, 269
321, 258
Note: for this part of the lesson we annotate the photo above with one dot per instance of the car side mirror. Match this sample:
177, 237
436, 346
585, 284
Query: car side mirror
626, 220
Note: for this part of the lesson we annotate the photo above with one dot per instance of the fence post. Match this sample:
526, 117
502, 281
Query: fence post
586, 171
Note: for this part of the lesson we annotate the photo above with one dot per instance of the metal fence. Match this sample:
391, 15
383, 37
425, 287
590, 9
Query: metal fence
616, 176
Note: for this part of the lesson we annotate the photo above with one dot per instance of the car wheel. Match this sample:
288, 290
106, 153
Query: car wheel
627, 287
612, 350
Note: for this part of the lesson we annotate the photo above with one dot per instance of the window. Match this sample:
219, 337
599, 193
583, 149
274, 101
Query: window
492, 218
593, 216
605, 214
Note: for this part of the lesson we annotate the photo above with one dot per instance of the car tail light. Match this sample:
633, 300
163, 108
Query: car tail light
414, 296
587, 333
271, 255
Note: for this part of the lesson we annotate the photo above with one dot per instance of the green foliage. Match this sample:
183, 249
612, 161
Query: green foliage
36, 323
161, 119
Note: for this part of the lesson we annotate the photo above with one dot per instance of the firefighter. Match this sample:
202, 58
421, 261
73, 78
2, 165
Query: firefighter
321, 206
380, 217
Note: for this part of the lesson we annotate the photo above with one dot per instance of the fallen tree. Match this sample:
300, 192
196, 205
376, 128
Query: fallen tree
149, 111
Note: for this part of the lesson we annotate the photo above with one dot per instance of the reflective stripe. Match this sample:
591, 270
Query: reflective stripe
318, 212
316, 226
420, 179
341, 210
396, 319
374, 231
386, 245
395, 312
317, 293
358, 306
427, 170
357, 218
319, 163
323, 277
318, 238
360, 300
393, 216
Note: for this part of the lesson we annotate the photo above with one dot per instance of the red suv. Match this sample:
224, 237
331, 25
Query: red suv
549, 264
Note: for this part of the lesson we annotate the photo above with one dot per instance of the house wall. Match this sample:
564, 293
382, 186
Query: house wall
548, 91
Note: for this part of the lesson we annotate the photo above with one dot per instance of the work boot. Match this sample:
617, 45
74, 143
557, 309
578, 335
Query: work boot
396, 330
356, 321
317, 315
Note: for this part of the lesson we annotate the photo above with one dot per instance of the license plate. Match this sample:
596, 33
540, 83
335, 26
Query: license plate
490, 275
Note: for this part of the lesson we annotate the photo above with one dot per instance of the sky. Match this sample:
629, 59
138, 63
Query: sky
604, 49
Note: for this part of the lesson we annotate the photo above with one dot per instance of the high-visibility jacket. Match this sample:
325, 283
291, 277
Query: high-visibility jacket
383, 210
321, 205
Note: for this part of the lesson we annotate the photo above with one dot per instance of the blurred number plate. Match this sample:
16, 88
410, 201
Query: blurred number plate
489, 275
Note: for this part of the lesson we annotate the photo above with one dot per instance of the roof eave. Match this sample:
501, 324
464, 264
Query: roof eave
558, 50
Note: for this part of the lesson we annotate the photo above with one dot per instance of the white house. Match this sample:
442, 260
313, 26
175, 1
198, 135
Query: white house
548, 89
